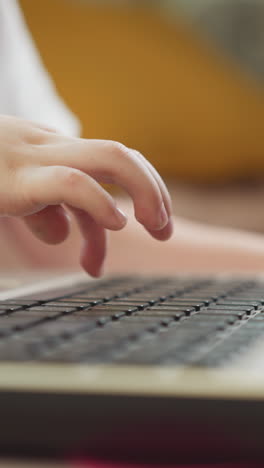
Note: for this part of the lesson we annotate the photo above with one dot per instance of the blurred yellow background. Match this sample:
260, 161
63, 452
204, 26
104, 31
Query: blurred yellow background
131, 75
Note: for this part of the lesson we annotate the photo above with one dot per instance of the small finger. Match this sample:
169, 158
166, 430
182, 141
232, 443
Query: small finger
93, 251
159, 180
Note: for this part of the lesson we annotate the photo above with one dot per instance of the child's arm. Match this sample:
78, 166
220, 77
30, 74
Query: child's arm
42, 171
193, 248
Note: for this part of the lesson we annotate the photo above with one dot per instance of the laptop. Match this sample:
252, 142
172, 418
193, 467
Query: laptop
162, 368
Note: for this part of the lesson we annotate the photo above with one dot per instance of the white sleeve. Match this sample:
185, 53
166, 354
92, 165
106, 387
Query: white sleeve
26, 89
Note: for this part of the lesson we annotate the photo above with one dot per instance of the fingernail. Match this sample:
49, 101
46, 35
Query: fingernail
121, 216
162, 218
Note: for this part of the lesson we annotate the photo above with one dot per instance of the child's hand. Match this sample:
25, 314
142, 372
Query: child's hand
41, 170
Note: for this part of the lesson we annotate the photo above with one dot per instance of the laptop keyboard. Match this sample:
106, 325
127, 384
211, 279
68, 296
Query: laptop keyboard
136, 321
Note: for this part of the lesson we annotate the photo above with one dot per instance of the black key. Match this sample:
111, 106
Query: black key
33, 315
64, 305
248, 309
48, 309
219, 322
106, 312
171, 308
230, 313
90, 298
185, 303
82, 304
163, 313
118, 316
130, 303
238, 303
119, 307
204, 300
